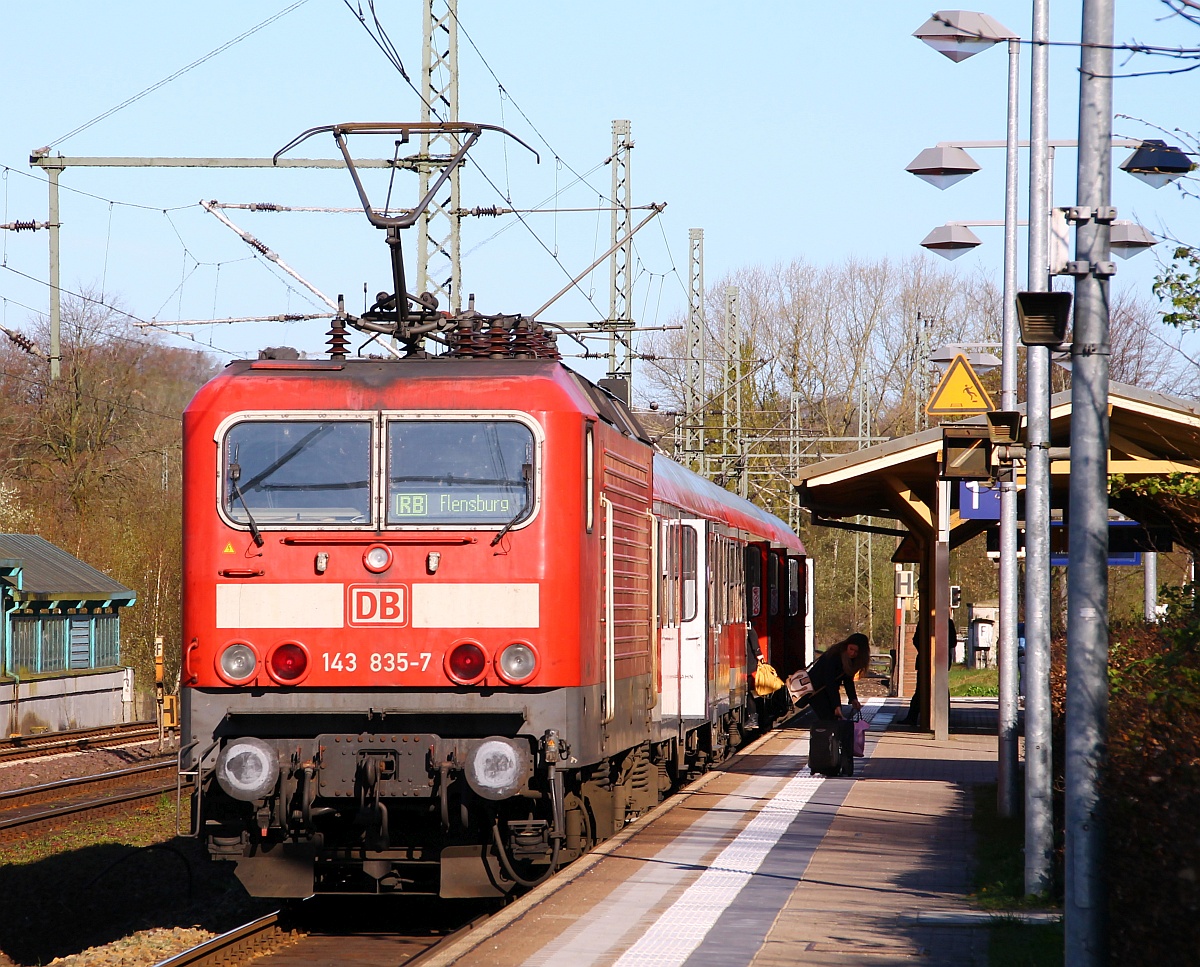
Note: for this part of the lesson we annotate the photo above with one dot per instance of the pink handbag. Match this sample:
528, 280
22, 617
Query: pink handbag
860, 735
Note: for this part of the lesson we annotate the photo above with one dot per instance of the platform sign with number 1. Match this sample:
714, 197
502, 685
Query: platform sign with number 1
978, 501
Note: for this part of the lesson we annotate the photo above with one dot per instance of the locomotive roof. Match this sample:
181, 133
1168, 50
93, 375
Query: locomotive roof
381, 372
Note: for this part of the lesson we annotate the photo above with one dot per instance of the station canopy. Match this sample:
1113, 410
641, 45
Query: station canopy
1153, 438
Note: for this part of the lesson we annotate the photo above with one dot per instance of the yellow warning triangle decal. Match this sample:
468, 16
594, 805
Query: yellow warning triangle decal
959, 392
228, 549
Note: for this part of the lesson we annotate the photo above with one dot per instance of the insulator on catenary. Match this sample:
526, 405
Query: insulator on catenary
29, 226
23, 341
264, 206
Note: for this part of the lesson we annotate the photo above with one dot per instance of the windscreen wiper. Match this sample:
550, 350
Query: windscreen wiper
235, 474
526, 473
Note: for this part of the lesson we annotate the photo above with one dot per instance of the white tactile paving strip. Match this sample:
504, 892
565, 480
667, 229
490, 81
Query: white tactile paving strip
610, 921
682, 929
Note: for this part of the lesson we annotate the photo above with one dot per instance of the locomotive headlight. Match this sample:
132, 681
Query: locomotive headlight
377, 558
237, 662
517, 663
248, 769
497, 767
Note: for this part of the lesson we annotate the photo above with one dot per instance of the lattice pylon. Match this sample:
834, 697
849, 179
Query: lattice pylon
620, 311
694, 394
439, 269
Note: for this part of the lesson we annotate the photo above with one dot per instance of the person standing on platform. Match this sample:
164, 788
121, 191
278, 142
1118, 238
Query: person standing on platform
835, 669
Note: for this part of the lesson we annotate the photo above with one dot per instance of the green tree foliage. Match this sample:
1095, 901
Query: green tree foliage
1178, 285
91, 461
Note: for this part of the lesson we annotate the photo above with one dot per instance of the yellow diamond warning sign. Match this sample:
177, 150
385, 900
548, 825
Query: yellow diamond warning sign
959, 392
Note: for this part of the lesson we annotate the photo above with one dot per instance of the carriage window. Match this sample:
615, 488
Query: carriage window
772, 584
737, 569
589, 472
459, 472
669, 557
753, 581
688, 570
298, 471
793, 586
710, 558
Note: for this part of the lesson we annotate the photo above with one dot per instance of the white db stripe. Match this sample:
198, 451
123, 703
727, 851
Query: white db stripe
280, 605
475, 606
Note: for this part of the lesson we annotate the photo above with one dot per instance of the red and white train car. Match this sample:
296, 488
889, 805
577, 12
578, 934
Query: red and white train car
449, 622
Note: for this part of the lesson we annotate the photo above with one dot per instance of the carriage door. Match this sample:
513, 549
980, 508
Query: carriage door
693, 630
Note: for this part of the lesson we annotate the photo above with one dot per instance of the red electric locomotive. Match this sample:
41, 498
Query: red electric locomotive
450, 621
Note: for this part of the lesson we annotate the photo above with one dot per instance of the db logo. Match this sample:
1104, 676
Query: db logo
374, 605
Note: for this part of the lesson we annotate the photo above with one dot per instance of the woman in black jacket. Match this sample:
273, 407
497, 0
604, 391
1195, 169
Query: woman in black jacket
834, 669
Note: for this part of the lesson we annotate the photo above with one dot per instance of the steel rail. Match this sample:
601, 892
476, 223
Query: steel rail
235, 946
19, 822
28, 746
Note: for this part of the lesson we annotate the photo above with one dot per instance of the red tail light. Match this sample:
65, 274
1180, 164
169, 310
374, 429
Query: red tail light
288, 663
466, 662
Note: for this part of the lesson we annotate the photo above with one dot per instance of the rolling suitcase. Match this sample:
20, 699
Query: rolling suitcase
831, 748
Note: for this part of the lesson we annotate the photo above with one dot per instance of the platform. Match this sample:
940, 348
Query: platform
762, 863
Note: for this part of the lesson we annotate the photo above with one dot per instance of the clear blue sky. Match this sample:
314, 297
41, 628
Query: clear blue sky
780, 128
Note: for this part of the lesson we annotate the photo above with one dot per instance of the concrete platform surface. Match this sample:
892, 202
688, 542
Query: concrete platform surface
763, 863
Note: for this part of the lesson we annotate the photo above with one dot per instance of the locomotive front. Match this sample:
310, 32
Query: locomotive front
388, 658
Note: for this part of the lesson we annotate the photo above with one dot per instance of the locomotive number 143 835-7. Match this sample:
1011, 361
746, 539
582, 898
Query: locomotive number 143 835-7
388, 661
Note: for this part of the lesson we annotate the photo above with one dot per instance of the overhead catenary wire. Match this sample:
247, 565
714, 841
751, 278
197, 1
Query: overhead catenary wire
177, 74
277, 317
7, 170
528, 120
106, 305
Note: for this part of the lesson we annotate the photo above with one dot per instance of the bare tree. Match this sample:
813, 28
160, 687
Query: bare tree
91, 461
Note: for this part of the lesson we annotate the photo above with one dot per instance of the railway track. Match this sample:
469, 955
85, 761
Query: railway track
313, 934
54, 743
37, 809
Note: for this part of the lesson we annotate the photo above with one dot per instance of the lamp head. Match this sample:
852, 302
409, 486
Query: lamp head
943, 166
1157, 163
950, 240
1128, 238
959, 34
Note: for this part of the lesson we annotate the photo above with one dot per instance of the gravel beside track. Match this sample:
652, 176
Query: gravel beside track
17, 774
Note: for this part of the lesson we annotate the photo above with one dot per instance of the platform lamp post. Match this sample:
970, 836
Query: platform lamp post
1084, 905
1039, 776
959, 34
